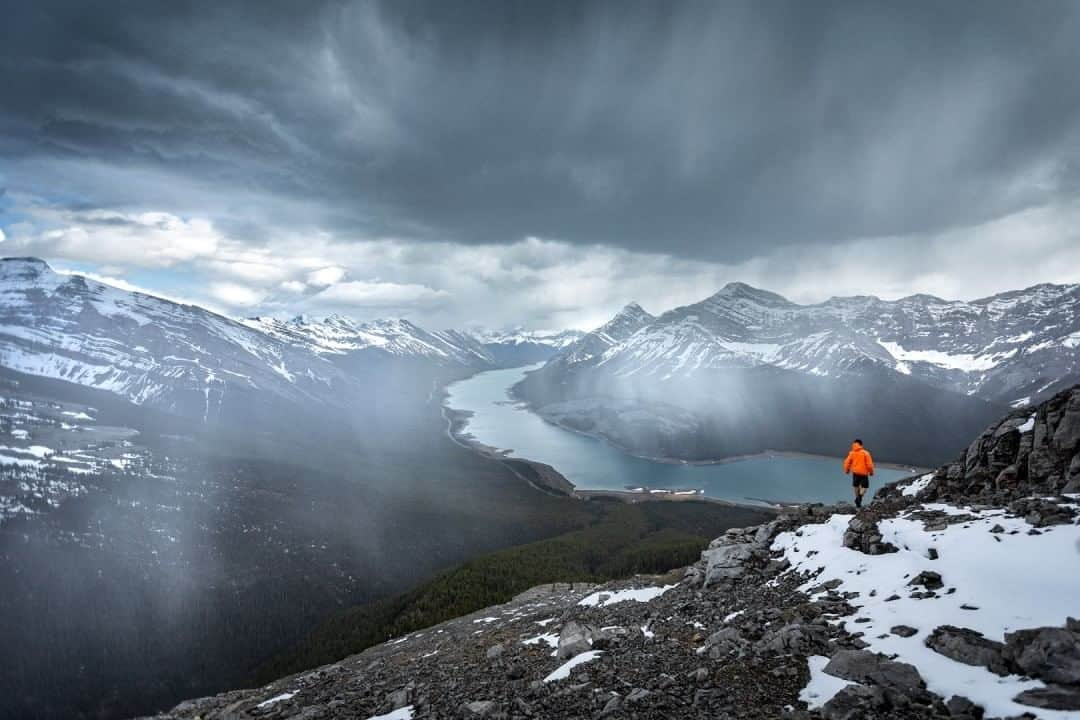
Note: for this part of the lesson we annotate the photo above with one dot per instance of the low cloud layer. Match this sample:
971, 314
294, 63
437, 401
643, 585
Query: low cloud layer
541, 163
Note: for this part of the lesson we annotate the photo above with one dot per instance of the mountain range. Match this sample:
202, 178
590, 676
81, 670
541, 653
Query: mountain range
186, 360
703, 371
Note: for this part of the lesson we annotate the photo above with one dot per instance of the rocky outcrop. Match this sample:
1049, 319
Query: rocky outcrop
730, 556
863, 535
1030, 451
1049, 653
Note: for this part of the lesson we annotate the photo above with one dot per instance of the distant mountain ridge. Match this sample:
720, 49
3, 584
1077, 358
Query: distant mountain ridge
189, 361
1014, 347
746, 370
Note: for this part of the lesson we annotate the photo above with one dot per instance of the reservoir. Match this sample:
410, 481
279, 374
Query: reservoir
590, 463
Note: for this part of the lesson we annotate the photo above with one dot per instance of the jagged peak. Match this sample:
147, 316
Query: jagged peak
924, 298
742, 290
633, 309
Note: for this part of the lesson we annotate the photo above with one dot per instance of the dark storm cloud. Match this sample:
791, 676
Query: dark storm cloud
715, 130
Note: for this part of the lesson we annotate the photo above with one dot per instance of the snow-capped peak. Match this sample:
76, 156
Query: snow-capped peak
1015, 345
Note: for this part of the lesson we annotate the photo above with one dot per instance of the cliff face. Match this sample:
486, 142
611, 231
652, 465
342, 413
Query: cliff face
948, 597
1032, 450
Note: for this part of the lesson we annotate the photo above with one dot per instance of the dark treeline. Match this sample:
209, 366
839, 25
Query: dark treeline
620, 540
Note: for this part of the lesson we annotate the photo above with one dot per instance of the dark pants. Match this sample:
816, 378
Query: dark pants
861, 483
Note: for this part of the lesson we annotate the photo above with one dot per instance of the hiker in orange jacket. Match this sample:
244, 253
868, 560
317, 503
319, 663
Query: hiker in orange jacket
861, 466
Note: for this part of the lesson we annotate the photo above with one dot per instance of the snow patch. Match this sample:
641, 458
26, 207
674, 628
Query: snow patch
617, 596
966, 362
917, 485
277, 699
974, 561
552, 640
402, 713
822, 687
563, 671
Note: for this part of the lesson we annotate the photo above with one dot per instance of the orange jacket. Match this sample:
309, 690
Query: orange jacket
858, 461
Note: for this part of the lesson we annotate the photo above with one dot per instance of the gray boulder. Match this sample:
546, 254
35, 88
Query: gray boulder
574, 639
796, 638
726, 562
1048, 653
855, 702
1051, 697
863, 666
968, 647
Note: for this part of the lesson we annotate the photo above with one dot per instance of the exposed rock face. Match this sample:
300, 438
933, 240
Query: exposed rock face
730, 556
1049, 653
1030, 451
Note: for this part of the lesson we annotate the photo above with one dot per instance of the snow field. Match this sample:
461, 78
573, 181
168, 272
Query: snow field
1013, 580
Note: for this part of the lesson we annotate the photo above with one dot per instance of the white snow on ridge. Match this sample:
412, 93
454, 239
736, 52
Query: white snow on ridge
917, 485
1028, 425
617, 596
1014, 580
563, 671
961, 361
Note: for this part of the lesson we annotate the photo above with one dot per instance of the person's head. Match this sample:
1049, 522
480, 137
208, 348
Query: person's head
858, 441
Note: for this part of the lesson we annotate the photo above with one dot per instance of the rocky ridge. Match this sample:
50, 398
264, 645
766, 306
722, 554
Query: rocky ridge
949, 596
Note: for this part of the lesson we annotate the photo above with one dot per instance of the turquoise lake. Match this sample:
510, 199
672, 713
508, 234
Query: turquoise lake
592, 464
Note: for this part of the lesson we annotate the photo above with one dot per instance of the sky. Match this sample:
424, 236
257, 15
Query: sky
504, 163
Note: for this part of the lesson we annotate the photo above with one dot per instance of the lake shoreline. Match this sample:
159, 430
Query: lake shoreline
552, 482
763, 454
636, 485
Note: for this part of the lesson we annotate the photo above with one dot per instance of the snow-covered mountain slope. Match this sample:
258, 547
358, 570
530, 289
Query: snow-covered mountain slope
520, 336
592, 346
178, 358
952, 595
523, 347
187, 360
337, 335
1016, 347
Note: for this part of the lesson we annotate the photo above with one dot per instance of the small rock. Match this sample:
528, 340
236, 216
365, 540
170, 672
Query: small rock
960, 706
700, 675
479, 709
928, 579
612, 705
903, 630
